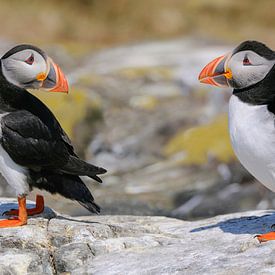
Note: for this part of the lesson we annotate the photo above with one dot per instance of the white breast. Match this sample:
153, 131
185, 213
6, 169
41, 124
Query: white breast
15, 175
252, 134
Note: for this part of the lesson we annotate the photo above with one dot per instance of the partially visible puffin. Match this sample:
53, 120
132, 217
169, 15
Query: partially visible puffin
34, 149
250, 70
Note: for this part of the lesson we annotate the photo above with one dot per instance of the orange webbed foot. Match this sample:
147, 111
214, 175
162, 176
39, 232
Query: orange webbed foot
270, 236
22, 215
39, 208
12, 223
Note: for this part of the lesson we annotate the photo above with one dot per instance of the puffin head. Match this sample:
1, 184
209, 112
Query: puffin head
28, 67
245, 66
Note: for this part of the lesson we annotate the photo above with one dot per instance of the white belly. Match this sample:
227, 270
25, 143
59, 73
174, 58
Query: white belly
15, 175
252, 134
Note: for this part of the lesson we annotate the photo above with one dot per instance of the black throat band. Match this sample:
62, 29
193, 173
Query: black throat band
261, 93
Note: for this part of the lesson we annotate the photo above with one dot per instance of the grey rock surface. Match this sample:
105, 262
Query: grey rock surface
56, 244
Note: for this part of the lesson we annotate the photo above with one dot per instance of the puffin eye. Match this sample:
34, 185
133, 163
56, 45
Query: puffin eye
30, 60
246, 61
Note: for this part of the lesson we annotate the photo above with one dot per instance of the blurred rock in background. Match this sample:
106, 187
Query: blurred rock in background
135, 106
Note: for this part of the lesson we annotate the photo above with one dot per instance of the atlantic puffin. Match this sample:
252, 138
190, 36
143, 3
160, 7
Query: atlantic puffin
250, 70
34, 149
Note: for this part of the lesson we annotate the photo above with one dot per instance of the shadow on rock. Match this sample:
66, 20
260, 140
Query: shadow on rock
77, 220
243, 225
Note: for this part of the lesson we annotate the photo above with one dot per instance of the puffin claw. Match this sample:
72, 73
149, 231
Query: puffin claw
6, 212
13, 218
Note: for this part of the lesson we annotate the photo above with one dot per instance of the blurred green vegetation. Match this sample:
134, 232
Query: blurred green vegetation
90, 24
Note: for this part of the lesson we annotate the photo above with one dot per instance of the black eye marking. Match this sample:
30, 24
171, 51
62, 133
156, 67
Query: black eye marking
246, 61
30, 60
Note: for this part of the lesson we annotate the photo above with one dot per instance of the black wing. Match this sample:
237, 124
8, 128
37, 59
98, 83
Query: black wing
31, 143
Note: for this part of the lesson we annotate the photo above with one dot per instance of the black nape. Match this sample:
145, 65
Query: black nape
257, 47
261, 93
23, 47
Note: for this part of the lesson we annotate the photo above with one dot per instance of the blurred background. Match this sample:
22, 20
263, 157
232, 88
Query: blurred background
135, 106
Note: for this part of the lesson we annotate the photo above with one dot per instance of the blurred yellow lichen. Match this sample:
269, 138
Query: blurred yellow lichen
201, 142
137, 72
90, 79
144, 102
68, 108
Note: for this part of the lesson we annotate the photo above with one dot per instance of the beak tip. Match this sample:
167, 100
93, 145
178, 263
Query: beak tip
58, 80
202, 75
213, 73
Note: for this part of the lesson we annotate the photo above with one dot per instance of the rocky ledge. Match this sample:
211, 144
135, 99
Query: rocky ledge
55, 244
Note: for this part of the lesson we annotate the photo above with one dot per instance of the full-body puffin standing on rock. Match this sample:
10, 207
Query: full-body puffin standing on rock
250, 71
34, 149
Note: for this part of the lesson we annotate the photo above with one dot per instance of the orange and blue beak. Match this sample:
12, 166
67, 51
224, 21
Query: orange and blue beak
55, 80
216, 72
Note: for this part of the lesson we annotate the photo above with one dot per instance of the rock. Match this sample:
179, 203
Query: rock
54, 244
217, 200
25, 250
146, 89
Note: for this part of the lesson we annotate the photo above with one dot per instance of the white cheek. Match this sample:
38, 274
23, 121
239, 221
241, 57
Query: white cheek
248, 75
8, 69
38, 67
18, 72
245, 76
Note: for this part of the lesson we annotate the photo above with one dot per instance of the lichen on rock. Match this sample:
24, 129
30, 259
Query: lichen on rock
201, 142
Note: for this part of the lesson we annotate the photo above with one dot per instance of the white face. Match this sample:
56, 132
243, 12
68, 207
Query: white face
248, 68
24, 67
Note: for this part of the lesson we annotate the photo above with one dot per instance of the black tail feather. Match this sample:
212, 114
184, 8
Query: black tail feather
89, 206
69, 186
76, 166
